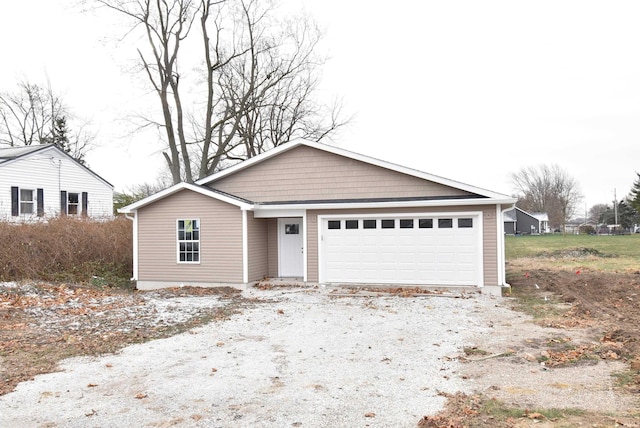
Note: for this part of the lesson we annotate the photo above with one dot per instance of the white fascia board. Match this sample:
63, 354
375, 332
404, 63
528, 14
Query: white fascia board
265, 210
177, 188
276, 213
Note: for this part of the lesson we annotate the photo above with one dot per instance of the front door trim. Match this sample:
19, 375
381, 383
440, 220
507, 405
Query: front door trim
288, 267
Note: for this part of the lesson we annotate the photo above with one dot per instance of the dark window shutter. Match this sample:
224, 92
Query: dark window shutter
63, 202
14, 201
40, 201
85, 203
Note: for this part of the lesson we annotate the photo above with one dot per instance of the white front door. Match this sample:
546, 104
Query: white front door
290, 247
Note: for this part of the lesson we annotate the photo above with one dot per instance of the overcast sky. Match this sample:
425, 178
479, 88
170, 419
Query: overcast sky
469, 90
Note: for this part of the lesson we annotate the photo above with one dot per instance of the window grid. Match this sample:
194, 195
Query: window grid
26, 201
189, 241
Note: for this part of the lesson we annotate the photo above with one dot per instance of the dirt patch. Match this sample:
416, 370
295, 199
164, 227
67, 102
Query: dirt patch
41, 324
573, 359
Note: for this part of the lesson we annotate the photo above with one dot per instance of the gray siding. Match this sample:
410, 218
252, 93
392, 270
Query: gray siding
220, 240
258, 247
305, 173
490, 254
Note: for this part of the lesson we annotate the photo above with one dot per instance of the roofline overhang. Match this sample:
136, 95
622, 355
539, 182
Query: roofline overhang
132, 208
352, 155
388, 204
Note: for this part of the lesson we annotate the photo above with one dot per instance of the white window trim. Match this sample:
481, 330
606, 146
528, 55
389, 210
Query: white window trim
198, 241
33, 201
79, 204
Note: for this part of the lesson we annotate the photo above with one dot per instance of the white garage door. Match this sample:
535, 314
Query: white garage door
421, 250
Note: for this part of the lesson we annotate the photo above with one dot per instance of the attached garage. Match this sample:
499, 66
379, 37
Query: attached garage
415, 249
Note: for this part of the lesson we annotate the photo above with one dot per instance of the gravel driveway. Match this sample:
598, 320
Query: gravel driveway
304, 358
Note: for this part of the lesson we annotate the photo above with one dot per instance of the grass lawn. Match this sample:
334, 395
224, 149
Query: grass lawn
598, 252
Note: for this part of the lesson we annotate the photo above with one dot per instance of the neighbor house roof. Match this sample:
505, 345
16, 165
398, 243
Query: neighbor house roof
13, 154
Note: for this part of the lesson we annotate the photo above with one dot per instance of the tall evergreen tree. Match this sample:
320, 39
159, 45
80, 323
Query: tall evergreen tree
634, 195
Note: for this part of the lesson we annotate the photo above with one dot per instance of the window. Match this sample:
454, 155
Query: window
27, 201
369, 224
388, 224
73, 203
406, 223
351, 224
425, 223
445, 223
465, 222
334, 224
291, 229
189, 241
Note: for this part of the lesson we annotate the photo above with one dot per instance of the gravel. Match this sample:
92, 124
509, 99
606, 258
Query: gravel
305, 358
308, 358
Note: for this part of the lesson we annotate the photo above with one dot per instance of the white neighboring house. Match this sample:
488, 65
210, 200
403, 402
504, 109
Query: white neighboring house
41, 181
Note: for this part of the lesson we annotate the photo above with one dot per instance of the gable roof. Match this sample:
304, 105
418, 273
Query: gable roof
511, 215
479, 195
12, 154
203, 190
352, 155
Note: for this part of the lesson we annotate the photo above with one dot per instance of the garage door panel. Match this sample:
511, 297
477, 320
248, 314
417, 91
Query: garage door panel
431, 256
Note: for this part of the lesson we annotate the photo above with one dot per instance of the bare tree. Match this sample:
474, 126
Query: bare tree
547, 188
37, 115
256, 88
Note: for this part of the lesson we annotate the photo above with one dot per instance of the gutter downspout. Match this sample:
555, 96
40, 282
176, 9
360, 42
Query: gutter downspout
135, 245
502, 269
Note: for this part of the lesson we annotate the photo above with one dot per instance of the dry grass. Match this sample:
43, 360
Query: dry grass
67, 249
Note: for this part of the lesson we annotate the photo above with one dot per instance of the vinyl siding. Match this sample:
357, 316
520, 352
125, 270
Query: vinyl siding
220, 240
305, 173
51, 171
272, 243
490, 256
258, 247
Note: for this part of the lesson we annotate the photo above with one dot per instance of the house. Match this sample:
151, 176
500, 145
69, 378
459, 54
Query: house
320, 214
517, 221
41, 181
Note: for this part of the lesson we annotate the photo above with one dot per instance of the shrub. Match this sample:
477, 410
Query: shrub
67, 249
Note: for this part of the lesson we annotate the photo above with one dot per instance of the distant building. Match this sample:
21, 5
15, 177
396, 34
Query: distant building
520, 222
41, 181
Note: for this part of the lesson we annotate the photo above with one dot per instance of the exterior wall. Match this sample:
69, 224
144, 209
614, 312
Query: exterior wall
490, 248
53, 172
272, 243
258, 247
305, 173
220, 240
510, 227
525, 222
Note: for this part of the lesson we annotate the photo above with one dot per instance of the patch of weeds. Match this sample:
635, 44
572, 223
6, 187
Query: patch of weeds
541, 307
629, 378
474, 350
478, 410
578, 252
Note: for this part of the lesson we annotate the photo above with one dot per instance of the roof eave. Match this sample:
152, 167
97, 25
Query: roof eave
387, 204
352, 155
134, 207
